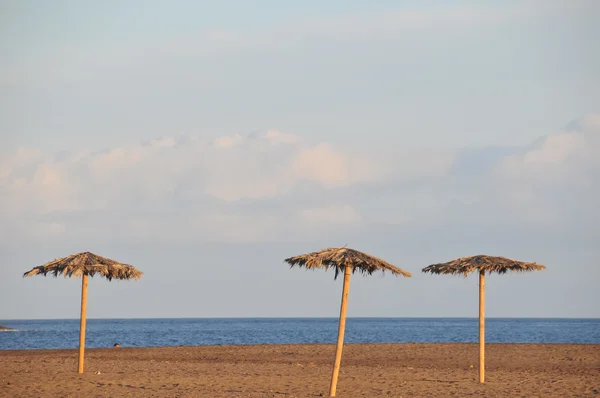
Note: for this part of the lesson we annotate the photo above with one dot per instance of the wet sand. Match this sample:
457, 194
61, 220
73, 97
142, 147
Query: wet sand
368, 370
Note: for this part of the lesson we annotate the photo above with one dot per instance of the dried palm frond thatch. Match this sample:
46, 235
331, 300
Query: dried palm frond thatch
346, 261
340, 258
89, 264
488, 264
85, 265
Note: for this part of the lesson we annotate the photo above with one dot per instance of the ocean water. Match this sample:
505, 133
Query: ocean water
38, 334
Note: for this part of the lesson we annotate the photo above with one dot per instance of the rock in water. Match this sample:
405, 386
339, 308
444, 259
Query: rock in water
3, 328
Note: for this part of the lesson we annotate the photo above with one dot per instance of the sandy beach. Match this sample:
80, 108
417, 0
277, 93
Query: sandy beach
368, 370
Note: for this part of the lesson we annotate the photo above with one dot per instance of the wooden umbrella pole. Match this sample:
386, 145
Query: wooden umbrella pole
84, 286
481, 326
342, 327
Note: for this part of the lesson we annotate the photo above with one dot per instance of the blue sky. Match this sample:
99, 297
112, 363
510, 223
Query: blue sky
206, 141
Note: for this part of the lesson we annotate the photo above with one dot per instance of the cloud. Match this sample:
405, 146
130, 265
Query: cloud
277, 186
322, 163
173, 187
551, 183
561, 155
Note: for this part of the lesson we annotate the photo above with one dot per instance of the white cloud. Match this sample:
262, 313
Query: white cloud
564, 155
275, 186
556, 149
229, 141
114, 186
277, 137
322, 163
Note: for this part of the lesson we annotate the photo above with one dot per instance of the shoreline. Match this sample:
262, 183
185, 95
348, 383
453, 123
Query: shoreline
440, 343
303, 370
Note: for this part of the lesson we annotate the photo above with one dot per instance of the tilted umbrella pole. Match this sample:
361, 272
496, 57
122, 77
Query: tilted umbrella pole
341, 329
84, 288
349, 260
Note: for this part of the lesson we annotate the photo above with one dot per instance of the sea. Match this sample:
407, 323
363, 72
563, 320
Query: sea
52, 334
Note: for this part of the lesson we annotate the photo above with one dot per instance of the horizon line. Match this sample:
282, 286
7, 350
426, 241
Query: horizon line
300, 317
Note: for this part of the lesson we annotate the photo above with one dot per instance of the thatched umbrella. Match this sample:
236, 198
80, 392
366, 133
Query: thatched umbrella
482, 264
347, 261
83, 265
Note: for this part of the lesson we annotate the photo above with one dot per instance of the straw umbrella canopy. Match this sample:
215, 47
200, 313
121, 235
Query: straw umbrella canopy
85, 265
346, 261
482, 264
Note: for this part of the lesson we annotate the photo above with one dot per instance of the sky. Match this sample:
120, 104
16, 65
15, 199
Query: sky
205, 142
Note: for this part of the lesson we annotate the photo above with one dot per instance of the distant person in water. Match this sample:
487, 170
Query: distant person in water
116, 345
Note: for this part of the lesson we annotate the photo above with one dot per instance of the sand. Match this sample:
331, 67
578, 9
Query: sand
368, 370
